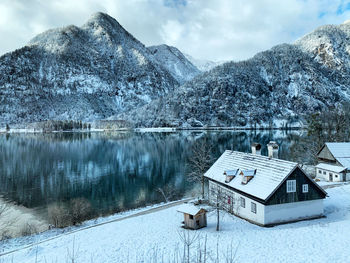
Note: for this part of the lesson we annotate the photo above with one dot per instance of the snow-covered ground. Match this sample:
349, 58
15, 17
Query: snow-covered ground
157, 235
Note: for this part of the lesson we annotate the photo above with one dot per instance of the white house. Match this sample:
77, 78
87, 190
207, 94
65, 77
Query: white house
334, 162
264, 190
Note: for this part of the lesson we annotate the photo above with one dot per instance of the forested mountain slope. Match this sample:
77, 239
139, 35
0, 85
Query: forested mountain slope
282, 83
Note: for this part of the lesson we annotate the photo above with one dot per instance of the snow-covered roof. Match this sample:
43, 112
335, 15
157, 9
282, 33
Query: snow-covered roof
270, 172
189, 209
344, 162
341, 152
329, 167
339, 149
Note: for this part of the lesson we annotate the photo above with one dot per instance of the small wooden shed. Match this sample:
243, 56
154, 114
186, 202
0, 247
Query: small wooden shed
194, 217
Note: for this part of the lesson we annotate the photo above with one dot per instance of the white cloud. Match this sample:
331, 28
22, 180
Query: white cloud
212, 29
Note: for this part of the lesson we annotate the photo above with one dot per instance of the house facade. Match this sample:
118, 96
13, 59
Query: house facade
277, 191
334, 162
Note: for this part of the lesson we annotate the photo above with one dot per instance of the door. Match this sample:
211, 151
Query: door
331, 177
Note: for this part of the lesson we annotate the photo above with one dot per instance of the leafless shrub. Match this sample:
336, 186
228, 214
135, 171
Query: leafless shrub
6, 222
73, 213
58, 215
28, 229
80, 210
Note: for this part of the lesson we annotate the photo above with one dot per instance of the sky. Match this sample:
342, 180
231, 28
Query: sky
217, 30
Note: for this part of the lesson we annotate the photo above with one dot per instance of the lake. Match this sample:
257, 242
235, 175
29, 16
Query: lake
114, 171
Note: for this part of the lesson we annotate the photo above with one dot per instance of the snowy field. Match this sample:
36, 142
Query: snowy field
156, 237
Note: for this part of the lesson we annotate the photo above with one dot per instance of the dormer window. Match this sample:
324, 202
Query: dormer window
230, 174
247, 175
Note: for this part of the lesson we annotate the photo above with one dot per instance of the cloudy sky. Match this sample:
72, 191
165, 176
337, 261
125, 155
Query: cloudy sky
206, 29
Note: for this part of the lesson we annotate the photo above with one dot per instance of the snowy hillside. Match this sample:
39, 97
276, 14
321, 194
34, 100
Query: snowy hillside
85, 73
156, 237
175, 62
280, 84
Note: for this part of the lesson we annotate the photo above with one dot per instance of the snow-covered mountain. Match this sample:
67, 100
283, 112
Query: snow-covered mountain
101, 71
203, 64
175, 62
85, 73
282, 84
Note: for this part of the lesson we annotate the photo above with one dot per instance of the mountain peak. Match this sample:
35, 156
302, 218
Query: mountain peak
104, 27
99, 17
103, 20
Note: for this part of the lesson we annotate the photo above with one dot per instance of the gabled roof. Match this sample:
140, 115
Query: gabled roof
190, 209
340, 151
330, 167
270, 172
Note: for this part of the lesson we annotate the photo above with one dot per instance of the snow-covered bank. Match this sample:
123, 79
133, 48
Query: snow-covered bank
18, 221
157, 235
25, 241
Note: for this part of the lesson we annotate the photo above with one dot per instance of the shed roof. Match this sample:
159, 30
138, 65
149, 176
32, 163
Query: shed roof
190, 209
270, 172
329, 167
341, 152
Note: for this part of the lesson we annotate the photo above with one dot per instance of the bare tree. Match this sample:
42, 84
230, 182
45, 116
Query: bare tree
218, 206
167, 192
188, 238
222, 199
199, 162
231, 252
72, 254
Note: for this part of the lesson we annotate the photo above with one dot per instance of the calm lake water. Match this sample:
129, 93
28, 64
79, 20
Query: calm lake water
114, 171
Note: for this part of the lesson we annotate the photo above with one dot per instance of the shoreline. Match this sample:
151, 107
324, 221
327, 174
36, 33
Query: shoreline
18, 221
153, 129
23, 241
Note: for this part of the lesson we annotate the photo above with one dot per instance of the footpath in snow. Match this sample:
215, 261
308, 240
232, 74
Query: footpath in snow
157, 237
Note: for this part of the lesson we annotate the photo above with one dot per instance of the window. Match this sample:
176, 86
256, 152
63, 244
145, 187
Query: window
291, 186
319, 171
305, 188
242, 202
253, 207
324, 172
336, 176
191, 217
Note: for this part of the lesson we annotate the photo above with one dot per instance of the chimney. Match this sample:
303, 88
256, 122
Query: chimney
272, 148
256, 148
